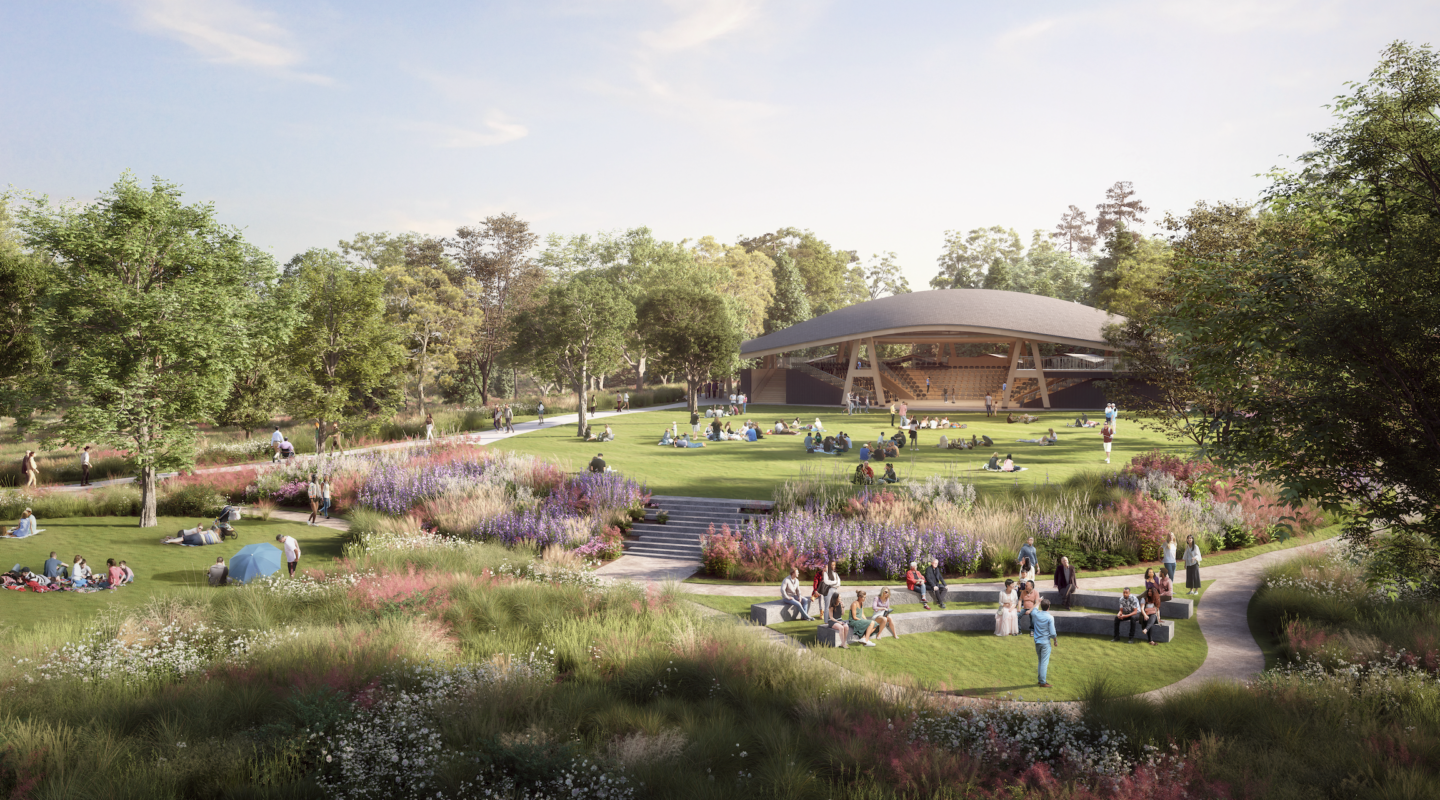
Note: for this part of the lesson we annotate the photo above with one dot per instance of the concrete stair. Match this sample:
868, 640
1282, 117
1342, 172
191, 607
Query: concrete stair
690, 518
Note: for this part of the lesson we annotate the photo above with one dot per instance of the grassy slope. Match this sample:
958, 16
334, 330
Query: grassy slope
746, 470
159, 569
982, 664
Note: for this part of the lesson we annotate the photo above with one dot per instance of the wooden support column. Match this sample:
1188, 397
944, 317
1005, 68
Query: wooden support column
873, 353
1044, 390
848, 351
1010, 374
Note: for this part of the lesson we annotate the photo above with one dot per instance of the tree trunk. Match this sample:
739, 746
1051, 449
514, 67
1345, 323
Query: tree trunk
640, 374
580, 389
147, 497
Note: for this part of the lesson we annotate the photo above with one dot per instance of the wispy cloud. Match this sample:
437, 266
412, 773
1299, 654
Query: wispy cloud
496, 129
702, 22
226, 32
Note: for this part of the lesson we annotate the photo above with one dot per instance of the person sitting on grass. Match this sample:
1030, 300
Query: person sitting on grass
994, 464
114, 576
1010, 418
843, 443
864, 475
987, 441
80, 573
597, 464
26, 525
859, 625
1051, 438
1150, 615
589, 435
790, 594
944, 443
809, 443
55, 568
882, 614
817, 426
1009, 465
129, 573
828, 445
752, 433
608, 435
915, 582
218, 574
890, 476
716, 430
665, 440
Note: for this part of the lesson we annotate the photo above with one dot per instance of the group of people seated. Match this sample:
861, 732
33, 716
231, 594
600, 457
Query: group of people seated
27, 526
840, 443
825, 591
865, 475
1048, 439
882, 448
958, 443
998, 465
1025, 418
942, 422
1144, 610
606, 435
200, 535
56, 576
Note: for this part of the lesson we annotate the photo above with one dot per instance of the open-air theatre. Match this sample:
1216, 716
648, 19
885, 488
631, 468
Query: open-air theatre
821, 360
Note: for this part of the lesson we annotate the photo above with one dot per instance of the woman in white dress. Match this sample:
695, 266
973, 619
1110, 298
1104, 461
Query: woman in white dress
1007, 617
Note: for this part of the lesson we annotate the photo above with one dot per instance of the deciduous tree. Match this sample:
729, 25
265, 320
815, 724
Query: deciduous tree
497, 254
693, 332
883, 276
968, 259
150, 320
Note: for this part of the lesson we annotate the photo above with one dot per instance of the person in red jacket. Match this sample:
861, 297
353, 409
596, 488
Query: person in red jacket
915, 582
1106, 434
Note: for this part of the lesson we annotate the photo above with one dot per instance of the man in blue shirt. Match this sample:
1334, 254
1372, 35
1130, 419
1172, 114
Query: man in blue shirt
1042, 627
1028, 550
54, 568
864, 453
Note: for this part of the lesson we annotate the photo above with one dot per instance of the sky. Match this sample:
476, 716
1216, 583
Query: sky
879, 126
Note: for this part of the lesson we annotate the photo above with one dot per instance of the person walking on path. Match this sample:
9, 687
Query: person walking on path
291, 549
509, 418
1065, 581
312, 493
1106, 434
325, 497
1170, 556
1192, 566
429, 427
989, 405
540, 413
85, 466
275, 439
1042, 627
29, 469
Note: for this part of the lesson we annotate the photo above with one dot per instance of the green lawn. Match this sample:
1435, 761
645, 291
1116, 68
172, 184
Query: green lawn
746, 470
980, 664
158, 568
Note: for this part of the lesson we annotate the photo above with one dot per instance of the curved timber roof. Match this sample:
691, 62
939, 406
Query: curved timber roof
945, 314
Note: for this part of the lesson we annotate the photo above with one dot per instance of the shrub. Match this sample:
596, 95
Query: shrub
1147, 523
1238, 536
720, 551
193, 500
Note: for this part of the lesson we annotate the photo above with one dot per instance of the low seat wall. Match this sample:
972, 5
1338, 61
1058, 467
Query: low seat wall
1066, 622
776, 610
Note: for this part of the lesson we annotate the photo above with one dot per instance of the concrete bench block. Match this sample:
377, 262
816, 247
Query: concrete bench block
775, 611
826, 636
1066, 622
1169, 609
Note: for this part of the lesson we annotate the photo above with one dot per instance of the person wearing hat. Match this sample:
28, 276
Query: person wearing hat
597, 464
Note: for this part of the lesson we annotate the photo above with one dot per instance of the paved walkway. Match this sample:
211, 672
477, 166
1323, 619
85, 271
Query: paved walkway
473, 437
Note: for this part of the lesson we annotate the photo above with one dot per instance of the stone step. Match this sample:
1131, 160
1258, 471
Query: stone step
657, 551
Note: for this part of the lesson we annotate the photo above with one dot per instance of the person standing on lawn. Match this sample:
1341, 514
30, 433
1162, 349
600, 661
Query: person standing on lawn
892, 414
85, 466
989, 405
292, 551
1042, 627
1192, 565
694, 421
